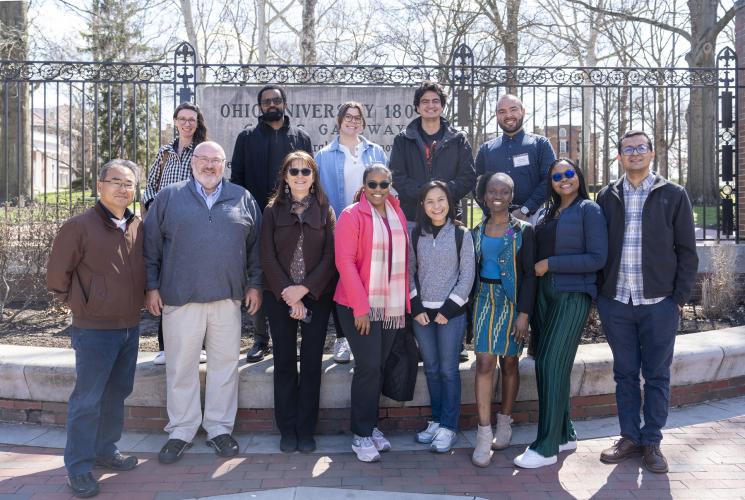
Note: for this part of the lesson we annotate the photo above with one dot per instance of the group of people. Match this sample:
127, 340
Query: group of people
298, 239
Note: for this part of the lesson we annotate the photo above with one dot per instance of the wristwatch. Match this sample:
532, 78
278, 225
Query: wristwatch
525, 211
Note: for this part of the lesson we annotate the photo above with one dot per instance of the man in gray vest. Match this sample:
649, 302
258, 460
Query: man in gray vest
201, 261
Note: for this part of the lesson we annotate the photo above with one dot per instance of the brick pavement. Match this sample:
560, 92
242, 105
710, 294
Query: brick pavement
707, 460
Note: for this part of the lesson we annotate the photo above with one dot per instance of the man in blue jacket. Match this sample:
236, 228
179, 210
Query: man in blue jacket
201, 262
525, 157
648, 277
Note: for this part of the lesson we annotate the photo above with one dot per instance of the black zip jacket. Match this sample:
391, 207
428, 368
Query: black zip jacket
250, 164
452, 163
669, 258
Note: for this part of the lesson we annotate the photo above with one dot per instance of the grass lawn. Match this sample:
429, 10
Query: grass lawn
698, 215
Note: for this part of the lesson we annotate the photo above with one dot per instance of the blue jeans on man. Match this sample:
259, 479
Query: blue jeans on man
105, 362
641, 337
440, 347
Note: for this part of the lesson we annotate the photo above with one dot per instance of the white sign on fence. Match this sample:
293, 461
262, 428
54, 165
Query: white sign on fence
388, 110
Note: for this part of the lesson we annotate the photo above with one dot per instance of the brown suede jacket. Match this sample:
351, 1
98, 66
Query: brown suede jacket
98, 270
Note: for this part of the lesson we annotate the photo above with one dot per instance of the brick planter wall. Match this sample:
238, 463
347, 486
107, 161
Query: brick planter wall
336, 420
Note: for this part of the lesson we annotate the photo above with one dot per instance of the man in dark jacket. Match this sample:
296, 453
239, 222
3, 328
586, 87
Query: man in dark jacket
96, 267
257, 159
648, 277
430, 149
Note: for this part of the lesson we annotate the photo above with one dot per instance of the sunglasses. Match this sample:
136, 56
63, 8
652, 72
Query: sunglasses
297, 171
374, 185
568, 174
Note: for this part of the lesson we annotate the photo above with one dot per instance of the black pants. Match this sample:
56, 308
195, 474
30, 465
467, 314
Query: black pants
337, 323
296, 397
370, 353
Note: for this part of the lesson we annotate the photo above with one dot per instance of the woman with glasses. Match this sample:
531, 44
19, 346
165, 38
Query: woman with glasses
173, 164
340, 165
372, 298
571, 246
297, 257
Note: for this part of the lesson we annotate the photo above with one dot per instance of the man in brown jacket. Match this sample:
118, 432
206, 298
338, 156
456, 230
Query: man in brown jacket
96, 267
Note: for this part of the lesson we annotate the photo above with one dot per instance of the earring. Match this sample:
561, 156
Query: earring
287, 189
312, 188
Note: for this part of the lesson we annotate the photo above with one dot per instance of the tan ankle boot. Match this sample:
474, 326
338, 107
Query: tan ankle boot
502, 433
482, 452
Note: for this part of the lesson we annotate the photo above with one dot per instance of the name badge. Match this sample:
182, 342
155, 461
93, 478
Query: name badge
522, 160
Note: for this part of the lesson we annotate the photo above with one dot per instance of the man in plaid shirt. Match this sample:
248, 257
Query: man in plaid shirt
651, 267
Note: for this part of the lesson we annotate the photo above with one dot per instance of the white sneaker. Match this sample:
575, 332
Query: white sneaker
532, 460
203, 356
342, 353
365, 449
568, 446
379, 440
427, 435
160, 359
443, 441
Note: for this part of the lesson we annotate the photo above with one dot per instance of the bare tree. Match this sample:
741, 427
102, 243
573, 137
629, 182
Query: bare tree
308, 33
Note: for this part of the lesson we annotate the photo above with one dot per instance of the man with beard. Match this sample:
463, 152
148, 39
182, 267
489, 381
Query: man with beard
525, 157
257, 158
201, 262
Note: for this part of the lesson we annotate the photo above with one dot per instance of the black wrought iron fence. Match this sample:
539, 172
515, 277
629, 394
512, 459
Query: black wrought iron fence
60, 121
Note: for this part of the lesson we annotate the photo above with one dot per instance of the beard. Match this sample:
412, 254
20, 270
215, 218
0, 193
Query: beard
518, 125
273, 115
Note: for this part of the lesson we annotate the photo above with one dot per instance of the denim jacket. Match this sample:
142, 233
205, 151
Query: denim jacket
330, 160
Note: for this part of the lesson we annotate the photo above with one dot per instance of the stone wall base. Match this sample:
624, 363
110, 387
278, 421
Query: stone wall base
336, 420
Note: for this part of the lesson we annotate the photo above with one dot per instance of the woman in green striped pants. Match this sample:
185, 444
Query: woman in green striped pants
572, 245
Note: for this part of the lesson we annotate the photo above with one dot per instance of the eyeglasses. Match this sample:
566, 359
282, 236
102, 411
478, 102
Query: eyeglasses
274, 100
568, 174
353, 118
426, 102
121, 185
640, 149
183, 121
374, 185
206, 160
297, 171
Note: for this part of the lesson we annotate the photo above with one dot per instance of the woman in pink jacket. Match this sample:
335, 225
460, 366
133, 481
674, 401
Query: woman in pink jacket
371, 247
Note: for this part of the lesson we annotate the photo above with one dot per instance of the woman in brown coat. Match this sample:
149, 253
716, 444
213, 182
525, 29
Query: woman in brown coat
297, 256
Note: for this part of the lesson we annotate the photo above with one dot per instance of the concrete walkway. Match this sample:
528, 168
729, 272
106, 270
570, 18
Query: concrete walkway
705, 446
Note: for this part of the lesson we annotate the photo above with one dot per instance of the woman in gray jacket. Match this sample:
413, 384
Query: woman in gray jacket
441, 276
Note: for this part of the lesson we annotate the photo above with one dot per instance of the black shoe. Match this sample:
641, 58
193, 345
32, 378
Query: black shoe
463, 356
172, 451
288, 443
83, 485
306, 444
224, 444
116, 462
256, 353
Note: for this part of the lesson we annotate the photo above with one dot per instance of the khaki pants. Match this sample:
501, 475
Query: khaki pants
218, 325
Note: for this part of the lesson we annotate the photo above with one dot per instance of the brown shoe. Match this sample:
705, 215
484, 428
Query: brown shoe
620, 451
653, 459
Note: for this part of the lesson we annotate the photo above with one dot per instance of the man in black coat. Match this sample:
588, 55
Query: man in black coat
430, 149
257, 158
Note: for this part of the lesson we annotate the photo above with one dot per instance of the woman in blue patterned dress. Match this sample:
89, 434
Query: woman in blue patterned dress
503, 302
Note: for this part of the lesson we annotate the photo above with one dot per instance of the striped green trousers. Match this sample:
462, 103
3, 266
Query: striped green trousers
559, 317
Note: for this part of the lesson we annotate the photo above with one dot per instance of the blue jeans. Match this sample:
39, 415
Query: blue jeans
641, 337
440, 349
105, 362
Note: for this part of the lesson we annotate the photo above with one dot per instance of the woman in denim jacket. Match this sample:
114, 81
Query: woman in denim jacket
340, 166
571, 246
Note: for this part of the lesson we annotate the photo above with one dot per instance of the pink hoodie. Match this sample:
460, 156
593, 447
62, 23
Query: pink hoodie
353, 250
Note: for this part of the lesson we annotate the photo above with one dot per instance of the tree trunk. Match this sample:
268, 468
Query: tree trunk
701, 116
261, 23
660, 127
510, 41
15, 163
308, 33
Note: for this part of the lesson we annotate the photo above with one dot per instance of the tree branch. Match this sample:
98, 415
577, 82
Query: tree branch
631, 17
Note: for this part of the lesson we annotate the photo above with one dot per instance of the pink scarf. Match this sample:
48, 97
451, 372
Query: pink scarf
388, 296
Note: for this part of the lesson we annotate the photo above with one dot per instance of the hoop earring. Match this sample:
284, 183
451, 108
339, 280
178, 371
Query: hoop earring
287, 189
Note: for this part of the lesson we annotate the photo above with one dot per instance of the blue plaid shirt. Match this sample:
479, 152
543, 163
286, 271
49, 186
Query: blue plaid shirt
630, 279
